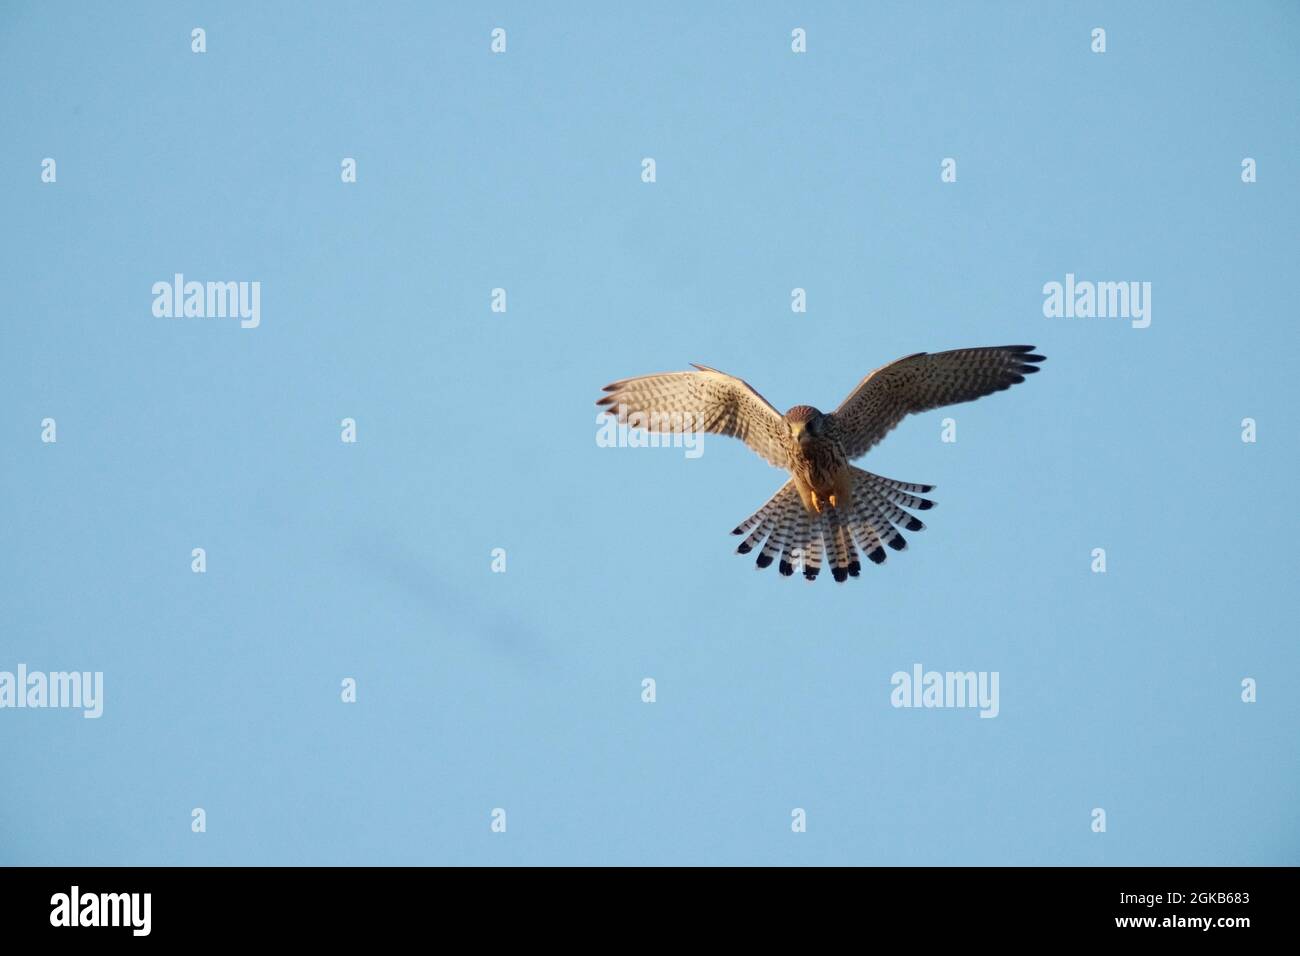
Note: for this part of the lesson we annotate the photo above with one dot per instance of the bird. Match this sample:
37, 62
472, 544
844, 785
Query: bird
828, 510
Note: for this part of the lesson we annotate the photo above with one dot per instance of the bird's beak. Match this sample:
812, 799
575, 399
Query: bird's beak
797, 430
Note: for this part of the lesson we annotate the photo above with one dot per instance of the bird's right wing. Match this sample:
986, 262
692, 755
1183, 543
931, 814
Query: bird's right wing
705, 400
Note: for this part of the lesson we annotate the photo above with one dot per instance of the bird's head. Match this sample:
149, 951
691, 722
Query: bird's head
805, 422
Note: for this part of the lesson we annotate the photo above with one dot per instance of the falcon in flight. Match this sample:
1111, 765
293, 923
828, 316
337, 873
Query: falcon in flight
828, 509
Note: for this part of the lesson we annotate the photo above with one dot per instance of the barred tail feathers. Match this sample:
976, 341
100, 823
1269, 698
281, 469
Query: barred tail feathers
874, 520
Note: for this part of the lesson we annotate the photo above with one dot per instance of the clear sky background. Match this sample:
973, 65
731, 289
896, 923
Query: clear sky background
477, 430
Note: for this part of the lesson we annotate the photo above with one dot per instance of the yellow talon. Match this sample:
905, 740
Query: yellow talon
834, 502
816, 502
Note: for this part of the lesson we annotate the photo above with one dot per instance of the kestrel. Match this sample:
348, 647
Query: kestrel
828, 507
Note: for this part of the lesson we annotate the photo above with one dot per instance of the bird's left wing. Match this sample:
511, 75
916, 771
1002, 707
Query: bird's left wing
926, 380
705, 400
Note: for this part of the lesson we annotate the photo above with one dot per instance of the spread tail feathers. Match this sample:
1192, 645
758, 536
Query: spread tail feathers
874, 520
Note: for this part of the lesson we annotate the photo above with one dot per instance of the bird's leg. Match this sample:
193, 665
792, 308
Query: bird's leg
843, 490
817, 503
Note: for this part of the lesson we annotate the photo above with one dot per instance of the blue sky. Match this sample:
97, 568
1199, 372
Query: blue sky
476, 430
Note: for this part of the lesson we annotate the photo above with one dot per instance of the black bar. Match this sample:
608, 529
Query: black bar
206, 905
